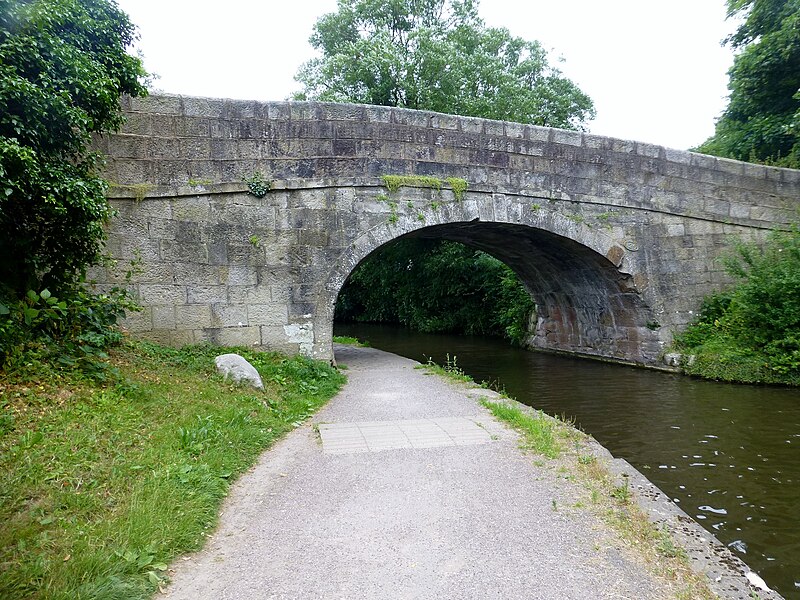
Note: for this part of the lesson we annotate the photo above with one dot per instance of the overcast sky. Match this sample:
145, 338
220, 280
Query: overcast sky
656, 70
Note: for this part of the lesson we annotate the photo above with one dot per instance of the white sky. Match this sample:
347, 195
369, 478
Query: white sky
655, 70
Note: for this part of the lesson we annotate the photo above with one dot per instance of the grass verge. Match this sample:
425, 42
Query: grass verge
450, 370
539, 431
102, 485
571, 454
613, 500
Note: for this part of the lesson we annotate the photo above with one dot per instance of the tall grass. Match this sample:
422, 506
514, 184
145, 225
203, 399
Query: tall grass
101, 486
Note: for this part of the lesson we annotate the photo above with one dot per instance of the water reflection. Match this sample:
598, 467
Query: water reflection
727, 454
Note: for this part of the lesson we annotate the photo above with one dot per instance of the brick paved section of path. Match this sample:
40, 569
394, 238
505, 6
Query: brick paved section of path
405, 487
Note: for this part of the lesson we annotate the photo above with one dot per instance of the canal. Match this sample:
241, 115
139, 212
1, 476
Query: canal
729, 455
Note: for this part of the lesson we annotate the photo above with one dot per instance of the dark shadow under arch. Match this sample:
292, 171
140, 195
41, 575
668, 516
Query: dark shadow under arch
585, 305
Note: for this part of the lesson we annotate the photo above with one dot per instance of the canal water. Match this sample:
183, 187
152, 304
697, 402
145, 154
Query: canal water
729, 455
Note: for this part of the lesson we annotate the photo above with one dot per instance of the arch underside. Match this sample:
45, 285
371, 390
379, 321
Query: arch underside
584, 304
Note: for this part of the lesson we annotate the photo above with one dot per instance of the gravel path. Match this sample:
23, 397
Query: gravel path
469, 517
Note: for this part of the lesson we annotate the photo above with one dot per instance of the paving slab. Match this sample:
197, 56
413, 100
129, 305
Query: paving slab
403, 486
341, 438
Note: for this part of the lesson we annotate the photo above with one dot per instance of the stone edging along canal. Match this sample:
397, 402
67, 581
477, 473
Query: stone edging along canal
728, 576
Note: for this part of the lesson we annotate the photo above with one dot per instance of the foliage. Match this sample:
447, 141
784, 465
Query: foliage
350, 341
437, 285
69, 333
450, 370
258, 185
538, 430
98, 496
751, 333
459, 187
395, 182
437, 55
63, 67
762, 120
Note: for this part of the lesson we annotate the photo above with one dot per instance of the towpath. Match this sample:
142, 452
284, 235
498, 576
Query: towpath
403, 486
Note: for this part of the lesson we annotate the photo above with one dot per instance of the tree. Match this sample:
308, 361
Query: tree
437, 286
63, 67
762, 120
437, 55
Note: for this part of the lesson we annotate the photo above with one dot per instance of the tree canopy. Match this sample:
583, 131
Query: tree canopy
762, 120
437, 286
63, 67
437, 55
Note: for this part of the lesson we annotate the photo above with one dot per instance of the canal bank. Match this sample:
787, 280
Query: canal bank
405, 487
728, 454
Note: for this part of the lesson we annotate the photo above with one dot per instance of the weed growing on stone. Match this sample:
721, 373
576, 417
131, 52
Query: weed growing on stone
394, 182
459, 187
258, 184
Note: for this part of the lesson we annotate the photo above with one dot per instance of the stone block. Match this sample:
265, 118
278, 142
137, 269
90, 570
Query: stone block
268, 314
184, 252
233, 336
238, 275
155, 293
128, 146
193, 127
162, 104
202, 107
228, 315
127, 249
164, 317
676, 229
192, 316
161, 148
139, 321
136, 124
207, 294
567, 138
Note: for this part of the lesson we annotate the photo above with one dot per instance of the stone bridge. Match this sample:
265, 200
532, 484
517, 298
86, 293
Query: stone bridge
617, 241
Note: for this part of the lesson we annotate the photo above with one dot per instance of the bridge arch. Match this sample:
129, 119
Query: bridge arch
586, 303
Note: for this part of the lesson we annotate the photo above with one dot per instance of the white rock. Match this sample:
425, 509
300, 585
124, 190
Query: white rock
238, 369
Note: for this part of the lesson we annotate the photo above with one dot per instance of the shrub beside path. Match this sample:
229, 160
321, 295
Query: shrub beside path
439, 503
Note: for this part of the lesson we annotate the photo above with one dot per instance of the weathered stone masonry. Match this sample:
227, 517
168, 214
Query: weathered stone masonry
616, 240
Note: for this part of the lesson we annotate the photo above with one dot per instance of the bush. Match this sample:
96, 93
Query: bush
71, 332
752, 332
63, 66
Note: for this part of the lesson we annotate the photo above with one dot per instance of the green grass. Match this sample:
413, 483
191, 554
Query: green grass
350, 341
538, 430
102, 486
450, 370
570, 451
